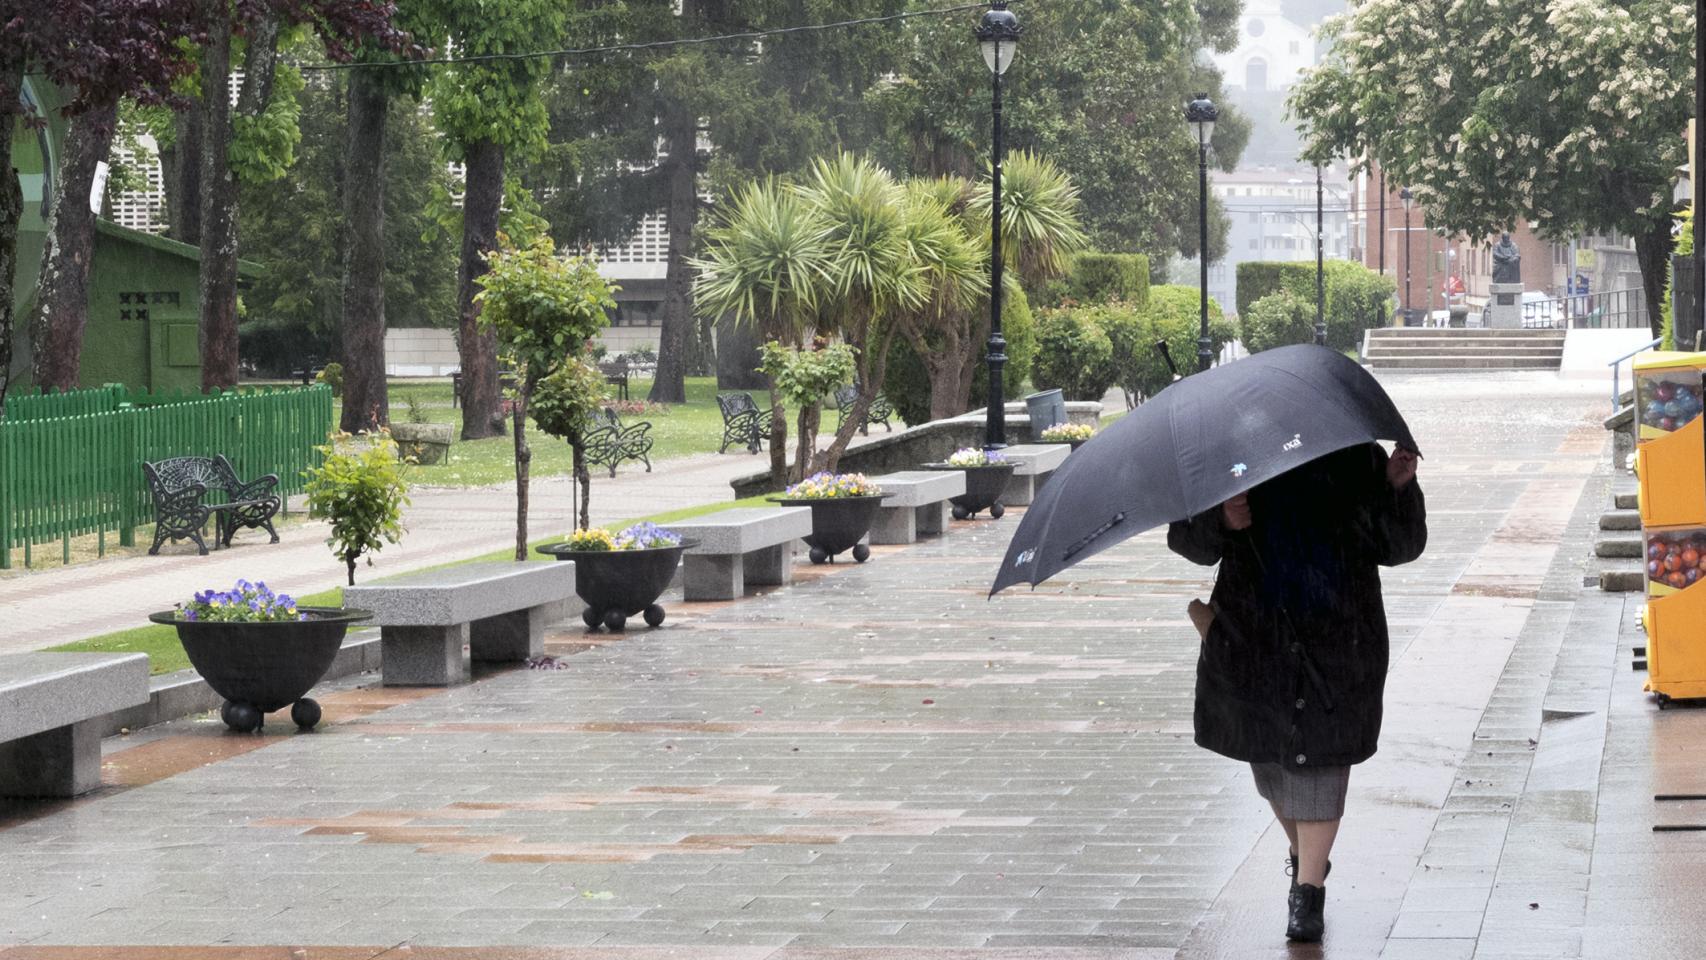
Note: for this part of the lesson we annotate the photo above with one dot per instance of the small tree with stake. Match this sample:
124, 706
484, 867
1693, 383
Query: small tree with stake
563, 405
362, 492
543, 310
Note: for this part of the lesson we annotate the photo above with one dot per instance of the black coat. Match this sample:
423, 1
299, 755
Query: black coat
1293, 669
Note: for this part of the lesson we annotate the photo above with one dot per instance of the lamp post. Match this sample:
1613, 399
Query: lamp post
1320, 265
1201, 114
998, 35
1383, 221
1407, 199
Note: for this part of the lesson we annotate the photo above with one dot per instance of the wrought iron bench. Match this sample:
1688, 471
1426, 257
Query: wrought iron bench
744, 423
609, 443
879, 412
180, 487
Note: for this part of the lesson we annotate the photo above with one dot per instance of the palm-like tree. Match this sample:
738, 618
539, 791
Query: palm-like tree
955, 266
873, 269
1040, 227
768, 264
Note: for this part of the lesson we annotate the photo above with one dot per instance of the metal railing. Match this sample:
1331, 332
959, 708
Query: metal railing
1617, 369
1613, 309
71, 463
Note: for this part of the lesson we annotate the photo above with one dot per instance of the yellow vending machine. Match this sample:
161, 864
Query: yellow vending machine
1672, 469
1667, 392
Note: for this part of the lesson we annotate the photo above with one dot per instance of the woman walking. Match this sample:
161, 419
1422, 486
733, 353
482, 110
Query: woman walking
1292, 670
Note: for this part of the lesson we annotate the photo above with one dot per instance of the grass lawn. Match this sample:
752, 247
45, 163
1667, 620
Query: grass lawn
678, 430
165, 655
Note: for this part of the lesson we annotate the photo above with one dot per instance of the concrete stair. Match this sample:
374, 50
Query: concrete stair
1619, 548
1437, 348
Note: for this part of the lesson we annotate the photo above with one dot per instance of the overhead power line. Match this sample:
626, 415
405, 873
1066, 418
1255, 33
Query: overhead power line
656, 44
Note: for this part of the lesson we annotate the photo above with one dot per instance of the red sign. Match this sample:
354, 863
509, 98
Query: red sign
1454, 286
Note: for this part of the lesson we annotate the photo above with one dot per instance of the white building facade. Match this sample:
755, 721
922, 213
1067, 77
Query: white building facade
1271, 214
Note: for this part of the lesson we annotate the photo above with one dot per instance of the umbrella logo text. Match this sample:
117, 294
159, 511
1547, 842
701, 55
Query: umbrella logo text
1295, 442
1238, 469
1025, 558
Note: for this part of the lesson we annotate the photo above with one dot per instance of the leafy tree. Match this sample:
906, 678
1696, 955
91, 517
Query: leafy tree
1277, 320
488, 110
1100, 110
563, 406
253, 140
1565, 116
296, 228
804, 377
99, 53
1074, 353
768, 265
360, 487
542, 310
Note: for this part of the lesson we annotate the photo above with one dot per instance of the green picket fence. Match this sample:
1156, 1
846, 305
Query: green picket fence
78, 474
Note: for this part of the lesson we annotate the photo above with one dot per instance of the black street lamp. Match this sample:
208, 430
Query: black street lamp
1201, 114
1320, 265
1408, 199
998, 35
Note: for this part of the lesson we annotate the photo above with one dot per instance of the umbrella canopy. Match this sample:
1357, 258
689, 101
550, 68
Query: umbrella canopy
1200, 442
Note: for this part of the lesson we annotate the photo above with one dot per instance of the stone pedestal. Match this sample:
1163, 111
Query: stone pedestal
1504, 310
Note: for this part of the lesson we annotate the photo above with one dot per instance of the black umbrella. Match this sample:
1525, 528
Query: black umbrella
1200, 442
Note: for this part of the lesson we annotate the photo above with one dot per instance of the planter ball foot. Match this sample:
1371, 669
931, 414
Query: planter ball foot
961, 513
996, 510
241, 717
590, 617
819, 555
616, 620
861, 552
654, 616
305, 713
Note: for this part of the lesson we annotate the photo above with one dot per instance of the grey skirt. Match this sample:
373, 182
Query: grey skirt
1316, 793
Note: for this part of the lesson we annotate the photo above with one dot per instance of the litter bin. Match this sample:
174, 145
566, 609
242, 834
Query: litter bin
1046, 408
1459, 317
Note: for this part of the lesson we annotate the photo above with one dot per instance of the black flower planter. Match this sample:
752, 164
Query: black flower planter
984, 488
838, 523
617, 584
262, 667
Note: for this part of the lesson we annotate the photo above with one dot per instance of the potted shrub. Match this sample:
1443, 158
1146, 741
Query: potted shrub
987, 473
843, 507
622, 574
259, 650
1070, 433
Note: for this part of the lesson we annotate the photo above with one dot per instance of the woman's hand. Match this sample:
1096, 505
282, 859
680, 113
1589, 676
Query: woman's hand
1235, 513
1401, 468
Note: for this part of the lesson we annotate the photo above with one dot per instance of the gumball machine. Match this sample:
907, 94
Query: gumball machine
1667, 392
1672, 470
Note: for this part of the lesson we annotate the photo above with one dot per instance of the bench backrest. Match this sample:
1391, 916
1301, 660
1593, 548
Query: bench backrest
734, 404
180, 472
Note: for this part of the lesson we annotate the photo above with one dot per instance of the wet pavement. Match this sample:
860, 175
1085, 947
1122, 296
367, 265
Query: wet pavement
878, 762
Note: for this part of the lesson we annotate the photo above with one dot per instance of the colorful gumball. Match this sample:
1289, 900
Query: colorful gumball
1673, 562
1667, 423
1665, 390
1690, 557
1655, 569
1677, 579
1691, 575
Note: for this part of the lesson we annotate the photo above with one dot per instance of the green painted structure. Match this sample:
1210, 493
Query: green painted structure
142, 296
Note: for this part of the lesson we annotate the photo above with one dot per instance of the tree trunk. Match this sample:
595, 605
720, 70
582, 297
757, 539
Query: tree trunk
11, 212
738, 358
805, 452
349, 561
180, 168
674, 343
778, 440
583, 483
483, 196
874, 365
61, 312
523, 460
219, 347
367, 405
1652, 252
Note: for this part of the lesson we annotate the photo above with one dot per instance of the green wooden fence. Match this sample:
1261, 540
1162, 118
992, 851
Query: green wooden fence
71, 463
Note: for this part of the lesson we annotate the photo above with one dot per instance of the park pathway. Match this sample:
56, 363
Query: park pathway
879, 762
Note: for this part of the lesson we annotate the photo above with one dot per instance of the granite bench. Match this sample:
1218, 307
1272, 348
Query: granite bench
1032, 464
745, 546
917, 504
432, 624
52, 707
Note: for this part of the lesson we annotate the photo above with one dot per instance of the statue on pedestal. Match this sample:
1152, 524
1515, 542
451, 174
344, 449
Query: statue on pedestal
1507, 261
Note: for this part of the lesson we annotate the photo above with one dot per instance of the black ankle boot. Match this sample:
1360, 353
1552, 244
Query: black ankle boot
1304, 915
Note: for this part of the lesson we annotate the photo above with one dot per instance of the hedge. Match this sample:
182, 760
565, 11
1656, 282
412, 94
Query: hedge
1074, 353
1356, 297
1277, 320
1071, 355
1174, 314
1101, 278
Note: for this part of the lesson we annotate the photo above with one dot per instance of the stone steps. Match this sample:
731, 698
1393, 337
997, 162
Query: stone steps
1463, 362
1434, 348
1621, 547
1620, 519
1622, 576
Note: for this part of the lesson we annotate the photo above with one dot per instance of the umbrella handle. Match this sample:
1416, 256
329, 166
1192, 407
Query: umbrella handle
1167, 355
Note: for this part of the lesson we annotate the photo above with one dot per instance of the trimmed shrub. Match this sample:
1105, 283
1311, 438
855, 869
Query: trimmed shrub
1074, 353
1356, 297
1173, 315
1277, 320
